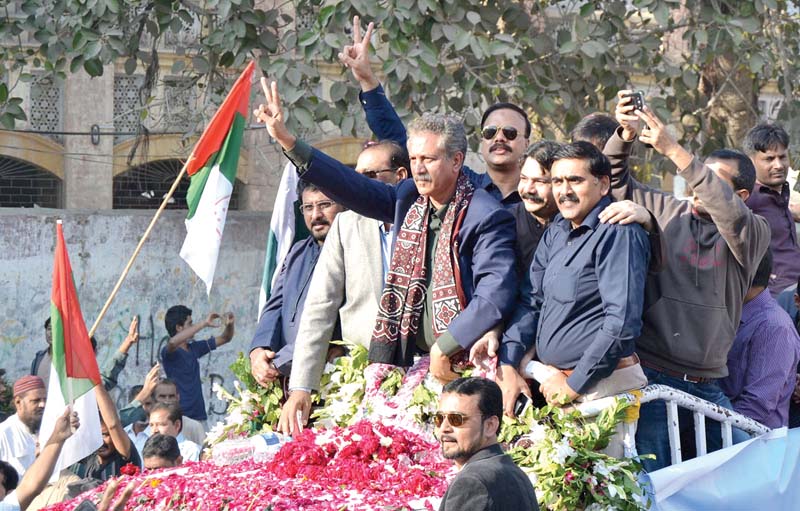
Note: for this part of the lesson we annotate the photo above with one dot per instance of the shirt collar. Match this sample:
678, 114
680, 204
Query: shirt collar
591, 221
749, 309
784, 193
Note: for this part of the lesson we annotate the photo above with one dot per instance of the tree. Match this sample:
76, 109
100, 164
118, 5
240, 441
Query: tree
704, 61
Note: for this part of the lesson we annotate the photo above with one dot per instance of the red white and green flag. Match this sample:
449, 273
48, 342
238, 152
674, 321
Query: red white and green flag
74, 372
212, 169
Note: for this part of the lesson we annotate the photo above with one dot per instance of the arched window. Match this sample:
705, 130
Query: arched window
25, 185
144, 186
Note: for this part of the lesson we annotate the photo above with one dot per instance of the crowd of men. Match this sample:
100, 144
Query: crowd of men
554, 254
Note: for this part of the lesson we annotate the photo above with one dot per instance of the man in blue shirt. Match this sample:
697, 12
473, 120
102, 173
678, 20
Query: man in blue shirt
273, 344
584, 303
181, 353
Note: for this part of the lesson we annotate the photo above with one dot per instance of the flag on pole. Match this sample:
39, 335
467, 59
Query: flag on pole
74, 372
285, 228
212, 169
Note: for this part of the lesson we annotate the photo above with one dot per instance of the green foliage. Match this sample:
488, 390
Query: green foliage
267, 411
342, 387
704, 61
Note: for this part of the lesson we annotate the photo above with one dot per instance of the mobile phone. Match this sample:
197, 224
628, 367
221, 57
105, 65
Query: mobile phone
521, 404
638, 99
86, 505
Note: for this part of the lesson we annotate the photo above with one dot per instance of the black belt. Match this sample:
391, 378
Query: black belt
676, 374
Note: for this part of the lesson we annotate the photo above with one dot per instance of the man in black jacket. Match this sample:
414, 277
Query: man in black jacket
467, 423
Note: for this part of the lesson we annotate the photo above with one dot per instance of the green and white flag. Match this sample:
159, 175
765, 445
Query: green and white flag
212, 169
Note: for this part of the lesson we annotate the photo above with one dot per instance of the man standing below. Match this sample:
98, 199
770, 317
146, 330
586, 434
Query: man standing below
42, 360
467, 423
166, 419
505, 128
768, 146
161, 451
181, 354
346, 285
584, 305
166, 392
693, 306
273, 344
763, 359
18, 433
451, 277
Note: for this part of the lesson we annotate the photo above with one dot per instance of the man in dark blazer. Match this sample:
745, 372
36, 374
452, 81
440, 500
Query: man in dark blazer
467, 424
480, 240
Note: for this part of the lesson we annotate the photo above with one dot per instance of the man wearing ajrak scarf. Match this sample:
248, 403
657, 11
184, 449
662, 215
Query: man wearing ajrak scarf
451, 277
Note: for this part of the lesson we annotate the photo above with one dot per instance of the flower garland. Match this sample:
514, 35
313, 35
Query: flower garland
364, 467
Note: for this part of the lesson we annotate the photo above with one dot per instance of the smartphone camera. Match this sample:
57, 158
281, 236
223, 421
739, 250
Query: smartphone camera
638, 99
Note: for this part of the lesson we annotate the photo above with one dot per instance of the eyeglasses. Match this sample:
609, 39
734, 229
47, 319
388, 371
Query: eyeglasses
372, 174
489, 132
456, 419
323, 206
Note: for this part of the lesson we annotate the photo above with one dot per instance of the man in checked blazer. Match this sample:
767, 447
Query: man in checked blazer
346, 286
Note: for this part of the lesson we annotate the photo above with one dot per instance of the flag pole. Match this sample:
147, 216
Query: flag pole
128, 266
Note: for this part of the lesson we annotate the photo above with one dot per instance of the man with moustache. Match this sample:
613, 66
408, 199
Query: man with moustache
18, 433
451, 277
694, 305
467, 423
583, 312
505, 128
273, 343
767, 145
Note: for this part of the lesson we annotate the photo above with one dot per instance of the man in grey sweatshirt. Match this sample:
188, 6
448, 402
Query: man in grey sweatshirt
714, 244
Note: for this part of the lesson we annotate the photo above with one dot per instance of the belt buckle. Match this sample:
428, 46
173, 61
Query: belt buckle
690, 379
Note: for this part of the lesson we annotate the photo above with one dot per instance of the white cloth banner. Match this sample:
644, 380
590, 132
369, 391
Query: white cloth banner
762, 473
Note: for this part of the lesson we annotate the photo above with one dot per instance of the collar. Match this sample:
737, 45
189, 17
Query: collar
591, 221
784, 193
755, 305
180, 438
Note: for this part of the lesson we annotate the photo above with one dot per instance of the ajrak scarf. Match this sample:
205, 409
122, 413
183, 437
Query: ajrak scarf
403, 298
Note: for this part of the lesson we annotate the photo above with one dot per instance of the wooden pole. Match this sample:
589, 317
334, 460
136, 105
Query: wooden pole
128, 266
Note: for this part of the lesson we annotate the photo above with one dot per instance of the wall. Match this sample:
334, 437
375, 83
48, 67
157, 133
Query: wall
99, 245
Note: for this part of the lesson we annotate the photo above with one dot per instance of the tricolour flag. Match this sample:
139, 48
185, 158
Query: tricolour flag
74, 371
285, 228
212, 169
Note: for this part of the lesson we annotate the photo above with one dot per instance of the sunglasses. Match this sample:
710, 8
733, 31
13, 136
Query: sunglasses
456, 419
489, 132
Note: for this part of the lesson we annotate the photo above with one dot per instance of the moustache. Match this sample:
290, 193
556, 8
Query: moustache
447, 439
500, 145
565, 198
533, 198
319, 222
422, 178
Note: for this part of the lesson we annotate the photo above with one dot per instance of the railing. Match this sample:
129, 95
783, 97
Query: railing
673, 398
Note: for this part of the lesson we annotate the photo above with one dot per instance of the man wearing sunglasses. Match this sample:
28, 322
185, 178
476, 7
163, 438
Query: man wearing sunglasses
505, 128
346, 285
467, 423
273, 343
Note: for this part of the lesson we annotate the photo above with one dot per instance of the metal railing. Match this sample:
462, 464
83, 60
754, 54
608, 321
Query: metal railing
673, 398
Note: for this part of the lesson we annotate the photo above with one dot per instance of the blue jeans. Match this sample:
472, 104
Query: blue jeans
652, 436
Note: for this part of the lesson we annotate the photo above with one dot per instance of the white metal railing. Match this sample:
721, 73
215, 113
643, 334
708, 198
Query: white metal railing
674, 398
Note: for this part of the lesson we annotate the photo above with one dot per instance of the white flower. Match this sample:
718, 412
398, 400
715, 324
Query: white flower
563, 451
356, 437
537, 433
600, 468
385, 441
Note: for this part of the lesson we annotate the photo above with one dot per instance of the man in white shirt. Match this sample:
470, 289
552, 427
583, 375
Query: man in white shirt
167, 420
18, 433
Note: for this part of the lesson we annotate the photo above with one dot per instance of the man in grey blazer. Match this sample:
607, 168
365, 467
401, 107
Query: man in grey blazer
346, 285
467, 423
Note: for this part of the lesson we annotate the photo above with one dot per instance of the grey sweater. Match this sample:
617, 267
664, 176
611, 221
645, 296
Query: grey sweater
693, 306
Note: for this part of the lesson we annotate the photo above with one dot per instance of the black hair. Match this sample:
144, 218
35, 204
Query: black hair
398, 155
94, 344
508, 106
542, 151
176, 315
763, 137
490, 397
174, 412
599, 165
761, 278
304, 185
161, 446
745, 178
165, 381
10, 476
47, 322
595, 128
134, 391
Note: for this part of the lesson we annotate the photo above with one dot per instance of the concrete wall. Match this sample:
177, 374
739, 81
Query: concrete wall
99, 245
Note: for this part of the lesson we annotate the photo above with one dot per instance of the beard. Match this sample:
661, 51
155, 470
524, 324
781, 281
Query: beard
33, 422
462, 454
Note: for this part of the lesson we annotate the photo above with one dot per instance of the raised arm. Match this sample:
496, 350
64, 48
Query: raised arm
108, 411
186, 334
227, 334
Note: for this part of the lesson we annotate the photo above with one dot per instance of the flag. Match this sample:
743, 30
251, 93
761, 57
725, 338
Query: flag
74, 371
285, 228
212, 170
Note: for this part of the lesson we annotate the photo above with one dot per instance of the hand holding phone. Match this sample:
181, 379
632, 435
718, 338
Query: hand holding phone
521, 404
637, 99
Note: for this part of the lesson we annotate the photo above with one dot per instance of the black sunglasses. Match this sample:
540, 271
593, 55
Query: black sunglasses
489, 132
456, 419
